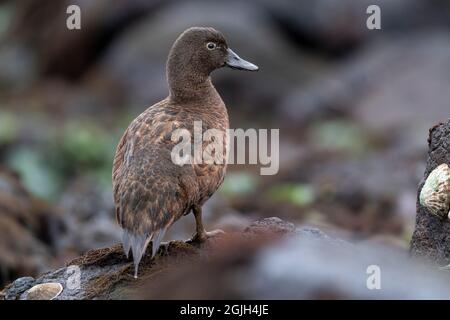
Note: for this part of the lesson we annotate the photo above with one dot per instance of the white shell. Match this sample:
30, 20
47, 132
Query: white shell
44, 291
435, 194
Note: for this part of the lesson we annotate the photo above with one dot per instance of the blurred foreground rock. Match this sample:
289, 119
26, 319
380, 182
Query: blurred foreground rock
271, 259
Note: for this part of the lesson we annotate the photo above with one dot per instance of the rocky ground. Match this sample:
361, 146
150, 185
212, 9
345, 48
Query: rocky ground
271, 259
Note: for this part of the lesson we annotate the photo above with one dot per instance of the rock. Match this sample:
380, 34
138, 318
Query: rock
313, 233
29, 229
317, 269
338, 89
17, 67
106, 272
271, 225
304, 263
18, 287
386, 72
413, 77
90, 217
431, 238
338, 26
21, 252
70, 53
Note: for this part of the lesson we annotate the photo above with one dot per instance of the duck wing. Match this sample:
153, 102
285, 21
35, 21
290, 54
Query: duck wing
150, 191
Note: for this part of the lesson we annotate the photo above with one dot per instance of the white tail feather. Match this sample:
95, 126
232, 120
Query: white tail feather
138, 244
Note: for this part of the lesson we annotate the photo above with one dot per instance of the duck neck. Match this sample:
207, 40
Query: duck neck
184, 89
189, 83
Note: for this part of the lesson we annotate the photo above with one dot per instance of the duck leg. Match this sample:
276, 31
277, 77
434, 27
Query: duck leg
200, 234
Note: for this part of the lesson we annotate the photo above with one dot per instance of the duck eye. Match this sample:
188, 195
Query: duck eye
211, 45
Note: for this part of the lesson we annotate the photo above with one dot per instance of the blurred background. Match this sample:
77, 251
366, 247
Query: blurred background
353, 107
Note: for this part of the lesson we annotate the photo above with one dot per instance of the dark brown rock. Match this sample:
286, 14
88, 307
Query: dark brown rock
29, 229
431, 238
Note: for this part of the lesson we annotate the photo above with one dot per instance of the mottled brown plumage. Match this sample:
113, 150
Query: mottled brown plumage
150, 191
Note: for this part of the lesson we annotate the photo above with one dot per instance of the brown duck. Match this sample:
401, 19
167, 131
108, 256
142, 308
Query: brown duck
151, 192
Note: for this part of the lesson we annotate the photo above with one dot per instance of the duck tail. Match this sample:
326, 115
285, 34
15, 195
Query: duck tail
156, 240
138, 244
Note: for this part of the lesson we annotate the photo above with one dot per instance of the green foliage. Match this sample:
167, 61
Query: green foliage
237, 183
301, 195
9, 127
6, 13
83, 146
48, 164
339, 135
34, 172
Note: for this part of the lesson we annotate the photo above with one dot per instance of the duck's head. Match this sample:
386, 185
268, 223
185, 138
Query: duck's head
199, 51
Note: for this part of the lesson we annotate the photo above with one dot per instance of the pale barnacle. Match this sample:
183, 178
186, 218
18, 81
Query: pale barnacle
435, 194
44, 291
